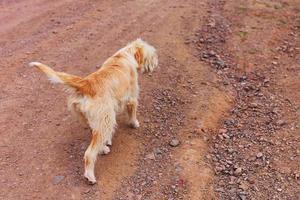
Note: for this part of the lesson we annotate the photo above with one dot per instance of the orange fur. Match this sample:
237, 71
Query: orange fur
98, 97
95, 139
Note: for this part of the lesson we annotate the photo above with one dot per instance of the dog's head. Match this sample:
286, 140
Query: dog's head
145, 55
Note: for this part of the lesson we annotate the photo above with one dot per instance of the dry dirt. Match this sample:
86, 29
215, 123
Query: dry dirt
227, 90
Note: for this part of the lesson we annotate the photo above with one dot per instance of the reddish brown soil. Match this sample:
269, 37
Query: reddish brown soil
254, 47
226, 88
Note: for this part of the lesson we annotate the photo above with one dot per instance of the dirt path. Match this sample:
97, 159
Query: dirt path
222, 66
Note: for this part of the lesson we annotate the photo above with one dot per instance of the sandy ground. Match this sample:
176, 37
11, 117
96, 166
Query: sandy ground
215, 59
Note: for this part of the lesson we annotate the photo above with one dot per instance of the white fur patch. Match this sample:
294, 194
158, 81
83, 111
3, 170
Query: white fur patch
55, 79
34, 64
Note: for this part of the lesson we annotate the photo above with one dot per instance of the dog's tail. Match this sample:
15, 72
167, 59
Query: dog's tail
81, 85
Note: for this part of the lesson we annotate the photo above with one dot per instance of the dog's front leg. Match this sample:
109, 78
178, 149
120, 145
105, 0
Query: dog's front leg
131, 109
90, 156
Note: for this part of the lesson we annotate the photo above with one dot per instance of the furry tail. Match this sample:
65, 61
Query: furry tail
81, 85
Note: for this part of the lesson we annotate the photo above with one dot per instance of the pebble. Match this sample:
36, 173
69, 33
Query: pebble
174, 143
243, 186
280, 122
238, 171
222, 131
226, 136
57, 179
157, 151
150, 156
259, 155
87, 191
242, 197
220, 190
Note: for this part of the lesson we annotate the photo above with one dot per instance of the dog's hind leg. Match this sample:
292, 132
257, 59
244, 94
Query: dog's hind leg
102, 123
90, 155
131, 110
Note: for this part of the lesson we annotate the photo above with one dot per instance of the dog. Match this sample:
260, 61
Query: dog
100, 96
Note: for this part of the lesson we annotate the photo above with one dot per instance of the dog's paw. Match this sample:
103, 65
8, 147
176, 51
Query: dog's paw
90, 177
109, 143
105, 150
134, 124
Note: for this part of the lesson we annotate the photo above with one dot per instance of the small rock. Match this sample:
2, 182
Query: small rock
157, 151
242, 197
226, 136
230, 151
57, 179
174, 143
221, 137
211, 53
150, 156
222, 131
221, 63
87, 191
238, 171
253, 105
243, 186
280, 122
220, 190
259, 155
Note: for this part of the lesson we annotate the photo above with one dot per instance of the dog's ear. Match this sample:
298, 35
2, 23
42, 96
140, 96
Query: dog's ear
139, 57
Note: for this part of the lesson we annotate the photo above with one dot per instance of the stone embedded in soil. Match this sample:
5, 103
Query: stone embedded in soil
87, 191
57, 179
238, 171
211, 53
222, 131
150, 156
174, 143
220, 190
280, 122
259, 155
242, 197
243, 186
157, 151
226, 136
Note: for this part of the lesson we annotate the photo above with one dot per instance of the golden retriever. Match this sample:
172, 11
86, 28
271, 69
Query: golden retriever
98, 97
